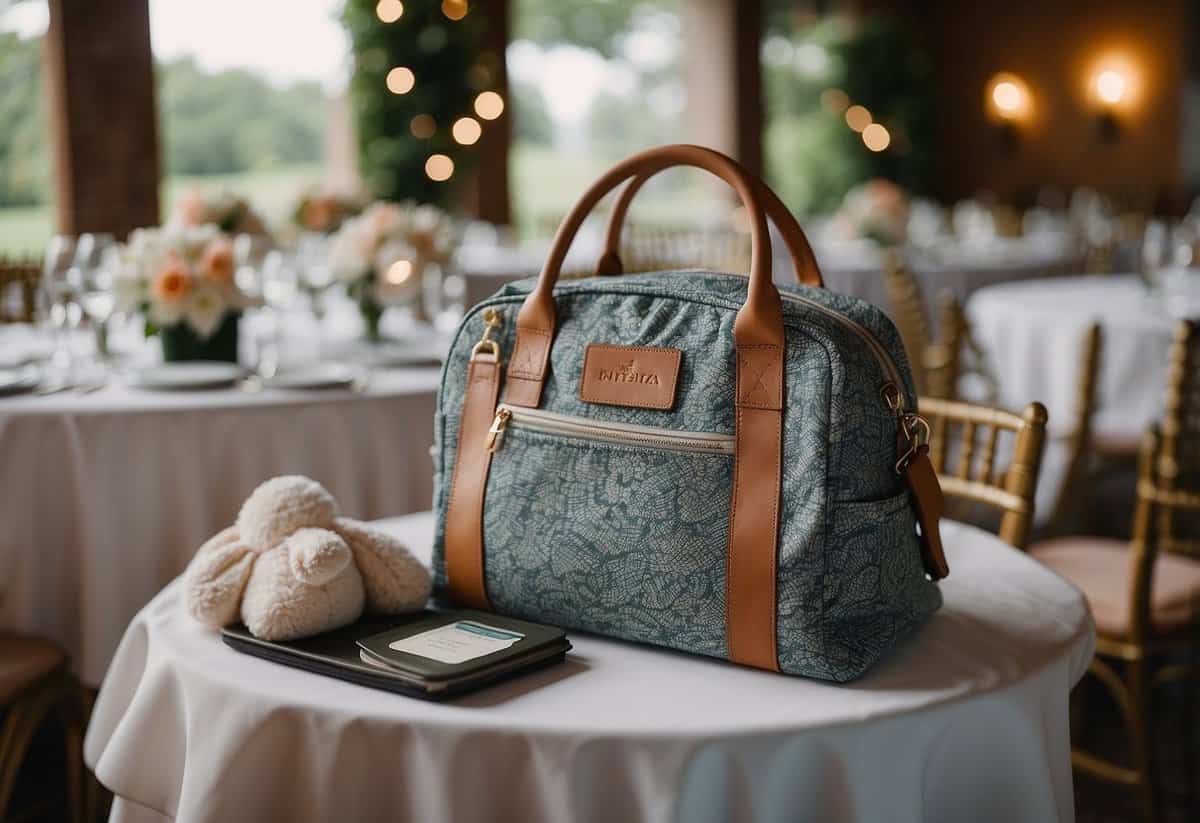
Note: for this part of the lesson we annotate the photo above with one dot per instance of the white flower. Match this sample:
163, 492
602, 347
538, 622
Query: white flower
165, 314
205, 310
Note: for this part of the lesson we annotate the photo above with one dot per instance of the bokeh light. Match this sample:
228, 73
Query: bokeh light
876, 137
857, 117
422, 126
489, 105
389, 11
401, 80
835, 101
1111, 86
439, 167
454, 9
466, 130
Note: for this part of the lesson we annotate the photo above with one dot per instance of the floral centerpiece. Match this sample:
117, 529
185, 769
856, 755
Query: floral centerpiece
323, 212
227, 211
182, 280
876, 210
382, 256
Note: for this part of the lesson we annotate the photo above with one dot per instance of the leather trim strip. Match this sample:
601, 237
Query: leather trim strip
750, 579
472, 461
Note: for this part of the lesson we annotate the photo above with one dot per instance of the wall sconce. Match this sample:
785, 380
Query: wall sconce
1009, 104
1110, 93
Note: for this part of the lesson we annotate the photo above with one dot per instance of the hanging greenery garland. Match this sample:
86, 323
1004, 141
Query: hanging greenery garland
422, 94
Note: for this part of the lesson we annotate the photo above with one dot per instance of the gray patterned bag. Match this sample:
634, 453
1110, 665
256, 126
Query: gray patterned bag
690, 459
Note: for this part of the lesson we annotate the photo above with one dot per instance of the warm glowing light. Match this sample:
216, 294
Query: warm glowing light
422, 126
876, 137
466, 130
454, 9
857, 117
401, 80
389, 11
1111, 86
834, 100
439, 167
398, 272
489, 105
1008, 98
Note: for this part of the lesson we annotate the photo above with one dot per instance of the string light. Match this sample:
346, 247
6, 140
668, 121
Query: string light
439, 167
401, 80
876, 137
466, 130
389, 11
489, 105
454, 9
422, 126
857, 117
834, 100
399, 271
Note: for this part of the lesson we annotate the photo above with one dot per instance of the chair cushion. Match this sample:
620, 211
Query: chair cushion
23, 661
1103, 570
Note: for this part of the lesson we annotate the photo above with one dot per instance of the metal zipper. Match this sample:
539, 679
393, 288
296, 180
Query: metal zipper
607, 432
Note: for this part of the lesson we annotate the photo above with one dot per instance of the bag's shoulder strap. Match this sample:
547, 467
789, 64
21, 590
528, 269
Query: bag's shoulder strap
472, 461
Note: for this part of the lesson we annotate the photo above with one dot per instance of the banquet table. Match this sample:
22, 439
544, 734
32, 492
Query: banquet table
1032, 335
107, 494
966, 720
852, 271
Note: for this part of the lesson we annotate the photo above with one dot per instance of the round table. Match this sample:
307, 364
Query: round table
1032, 334
108, 494
966, 720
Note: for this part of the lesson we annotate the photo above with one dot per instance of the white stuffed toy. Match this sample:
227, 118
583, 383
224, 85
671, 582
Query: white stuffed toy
291, 567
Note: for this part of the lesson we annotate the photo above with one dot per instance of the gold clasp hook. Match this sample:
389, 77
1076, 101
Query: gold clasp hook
493, 319
916, 429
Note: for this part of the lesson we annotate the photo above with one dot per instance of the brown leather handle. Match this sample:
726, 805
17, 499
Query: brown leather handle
804, 262
759, 321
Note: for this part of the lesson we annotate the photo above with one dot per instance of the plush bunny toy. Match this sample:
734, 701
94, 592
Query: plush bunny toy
290, 567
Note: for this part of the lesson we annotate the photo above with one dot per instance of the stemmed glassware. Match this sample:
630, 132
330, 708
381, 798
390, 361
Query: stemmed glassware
56, 302
92, 272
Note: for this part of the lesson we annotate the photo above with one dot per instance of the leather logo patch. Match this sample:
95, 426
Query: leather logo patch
633, 376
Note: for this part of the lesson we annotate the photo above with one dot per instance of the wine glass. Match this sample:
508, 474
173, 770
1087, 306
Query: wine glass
93, 270
56, 299
1164, 247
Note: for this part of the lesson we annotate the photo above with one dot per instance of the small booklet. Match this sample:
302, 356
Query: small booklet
433, 654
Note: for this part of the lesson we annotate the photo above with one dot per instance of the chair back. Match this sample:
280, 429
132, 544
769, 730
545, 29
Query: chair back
1079, 440
908, 313
649, 247
18, 289
1176, 473
975, 464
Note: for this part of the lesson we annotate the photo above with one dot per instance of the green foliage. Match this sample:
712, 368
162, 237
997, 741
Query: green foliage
236, 121
24, 176
813, 158
599, 25
531, 118
450, 67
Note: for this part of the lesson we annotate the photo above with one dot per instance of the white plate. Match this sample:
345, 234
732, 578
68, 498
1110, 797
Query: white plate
17, 381
317, 376
197, 374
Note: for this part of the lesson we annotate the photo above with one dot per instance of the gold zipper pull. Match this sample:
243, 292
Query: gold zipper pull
493, 320
496, 432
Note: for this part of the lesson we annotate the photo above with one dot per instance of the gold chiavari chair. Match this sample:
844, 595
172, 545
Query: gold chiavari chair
938, 362
1145, 595
648, 247
1078, 441
975, 466
18, 289
35, 683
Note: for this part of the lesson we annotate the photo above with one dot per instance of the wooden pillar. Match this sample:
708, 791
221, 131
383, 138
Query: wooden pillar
724, 77
489, 193
104, 138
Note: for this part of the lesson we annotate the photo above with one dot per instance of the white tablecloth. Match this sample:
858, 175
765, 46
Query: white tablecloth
1032, 334
107, 495
967, 720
